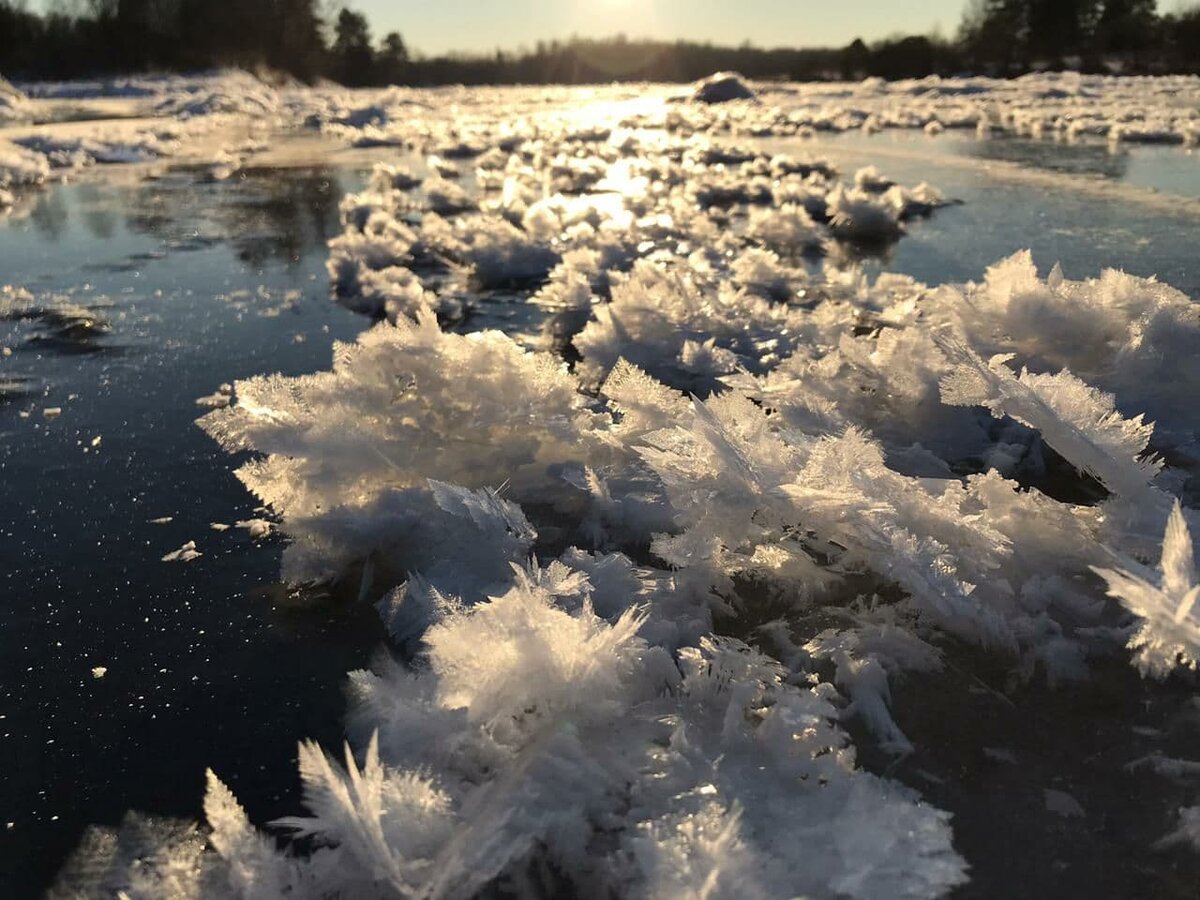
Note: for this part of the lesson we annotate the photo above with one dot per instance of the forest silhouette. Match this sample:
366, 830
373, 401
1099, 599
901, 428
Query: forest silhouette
302, 39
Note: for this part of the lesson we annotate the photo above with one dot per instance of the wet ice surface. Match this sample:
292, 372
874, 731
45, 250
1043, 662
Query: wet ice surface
1115, 221
204, 661
187, 284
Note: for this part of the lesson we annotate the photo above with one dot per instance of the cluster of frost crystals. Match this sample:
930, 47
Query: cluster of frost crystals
1165, 641
860, 215
371, 264
143, 145
1079, 421
818, 464
787, 228
685, 328
1167, 636
182, 111
19, 166
1132, 337
756, 501
347, 454
538, 748
496, 215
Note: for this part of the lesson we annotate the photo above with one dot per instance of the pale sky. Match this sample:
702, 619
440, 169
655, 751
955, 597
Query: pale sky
435, 26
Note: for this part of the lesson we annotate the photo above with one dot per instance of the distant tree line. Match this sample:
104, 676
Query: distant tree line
309, 40
1092, 35
93, 37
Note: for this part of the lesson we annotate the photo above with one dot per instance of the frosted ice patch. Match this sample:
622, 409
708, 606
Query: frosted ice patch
186, 553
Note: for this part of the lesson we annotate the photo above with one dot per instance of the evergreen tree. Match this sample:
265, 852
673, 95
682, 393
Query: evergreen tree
392, 63
353, 58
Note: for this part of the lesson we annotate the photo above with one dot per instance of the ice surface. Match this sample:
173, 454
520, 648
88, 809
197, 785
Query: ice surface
723, 427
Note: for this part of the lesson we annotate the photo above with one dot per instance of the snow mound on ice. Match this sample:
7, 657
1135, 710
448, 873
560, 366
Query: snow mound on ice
721, 87
13, 103
19, 166
78, 152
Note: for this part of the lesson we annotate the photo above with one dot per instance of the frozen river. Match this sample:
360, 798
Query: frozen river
121, 676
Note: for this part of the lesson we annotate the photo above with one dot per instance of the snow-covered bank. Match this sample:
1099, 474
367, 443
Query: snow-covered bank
13, 103
238, 91
62, 128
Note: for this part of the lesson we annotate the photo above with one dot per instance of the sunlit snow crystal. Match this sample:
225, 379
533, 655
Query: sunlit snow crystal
1168, 636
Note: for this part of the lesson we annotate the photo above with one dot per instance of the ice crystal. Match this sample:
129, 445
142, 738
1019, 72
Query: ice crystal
1168, 634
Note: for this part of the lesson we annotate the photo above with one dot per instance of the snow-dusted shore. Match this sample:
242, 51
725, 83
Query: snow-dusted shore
1063, 107
644, 568
13, 102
